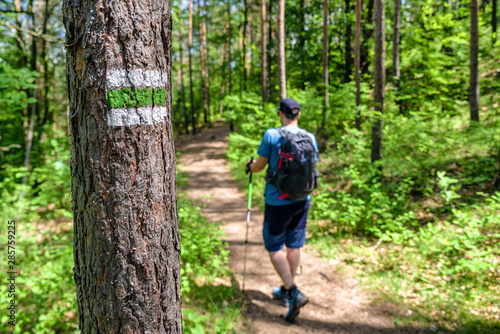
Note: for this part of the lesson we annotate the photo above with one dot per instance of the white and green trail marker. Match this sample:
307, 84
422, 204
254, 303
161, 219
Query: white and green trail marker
136, 97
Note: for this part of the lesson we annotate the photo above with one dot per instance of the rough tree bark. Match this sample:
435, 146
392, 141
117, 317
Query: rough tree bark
281, 49
325, 58
396, 72
126, 238
183, 93
264, 78
379, 79
474, 70
357, 50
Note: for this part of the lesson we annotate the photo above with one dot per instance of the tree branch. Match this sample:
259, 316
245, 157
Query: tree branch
46, 37
14, 11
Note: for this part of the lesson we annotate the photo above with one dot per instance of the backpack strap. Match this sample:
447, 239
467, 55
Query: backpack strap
282, 134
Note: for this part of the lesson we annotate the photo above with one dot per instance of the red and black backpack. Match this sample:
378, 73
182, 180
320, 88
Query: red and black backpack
297, 176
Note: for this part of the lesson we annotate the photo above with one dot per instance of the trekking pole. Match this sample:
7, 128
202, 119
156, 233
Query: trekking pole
249, 206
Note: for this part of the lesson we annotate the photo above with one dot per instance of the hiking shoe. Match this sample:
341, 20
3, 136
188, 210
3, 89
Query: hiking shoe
280, 295
295, 304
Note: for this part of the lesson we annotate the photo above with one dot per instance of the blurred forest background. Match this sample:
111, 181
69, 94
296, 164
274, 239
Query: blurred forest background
409, 192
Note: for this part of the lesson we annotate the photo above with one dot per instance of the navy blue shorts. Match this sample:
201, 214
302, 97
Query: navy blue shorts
285, 224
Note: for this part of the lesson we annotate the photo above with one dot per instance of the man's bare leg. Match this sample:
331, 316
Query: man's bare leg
293, 257
280, 263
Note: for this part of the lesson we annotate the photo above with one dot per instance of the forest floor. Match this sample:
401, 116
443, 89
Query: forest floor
337, 303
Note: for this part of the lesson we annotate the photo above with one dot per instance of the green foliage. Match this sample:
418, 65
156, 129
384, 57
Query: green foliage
203, 255
13, 86
45, 293
46, 194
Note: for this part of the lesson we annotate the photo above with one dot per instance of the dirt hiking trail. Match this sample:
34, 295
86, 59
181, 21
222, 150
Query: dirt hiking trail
336, 304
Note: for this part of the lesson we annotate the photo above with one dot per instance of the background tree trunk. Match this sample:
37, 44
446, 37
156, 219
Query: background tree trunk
204, 62
367, 34
230, 89
494, 20
32, 92
126, 233
190, 60
229, 37
348, 46
271, 51
396, 72
23, 59
357, 50
379, 78
244, 40
264, 77
301, 43
474, 71
248, 54
281, 49
183, 94
325, 58
221, 86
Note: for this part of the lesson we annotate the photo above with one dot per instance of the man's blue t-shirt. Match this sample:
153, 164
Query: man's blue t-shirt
269, 148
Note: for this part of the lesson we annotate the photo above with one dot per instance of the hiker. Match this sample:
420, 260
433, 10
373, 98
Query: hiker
285, 219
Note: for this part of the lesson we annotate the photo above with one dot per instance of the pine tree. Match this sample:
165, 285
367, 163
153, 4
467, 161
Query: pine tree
126, 233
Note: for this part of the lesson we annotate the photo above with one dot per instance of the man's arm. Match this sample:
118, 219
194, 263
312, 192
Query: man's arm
260, 164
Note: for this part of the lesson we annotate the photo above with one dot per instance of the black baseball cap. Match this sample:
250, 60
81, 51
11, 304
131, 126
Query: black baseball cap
288, 105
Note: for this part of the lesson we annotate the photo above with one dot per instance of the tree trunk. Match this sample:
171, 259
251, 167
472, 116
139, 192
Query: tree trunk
474, 71
248, 56
221, 87
367, 34
379, 79
396, 72
23, 60
281, 49
45, 64
264, 79
494, 20
357, 49
325, 58
204, 62
126, 233
271, 46
190, 61
229, 37
183, 94
301, 43
32, 92
230, 89
244, 41
29, 143
348, 46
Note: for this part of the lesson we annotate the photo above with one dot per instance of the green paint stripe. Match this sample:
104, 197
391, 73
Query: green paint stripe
140, 97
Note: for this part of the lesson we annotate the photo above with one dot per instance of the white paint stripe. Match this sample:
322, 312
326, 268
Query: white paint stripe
140, 116
119, 78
